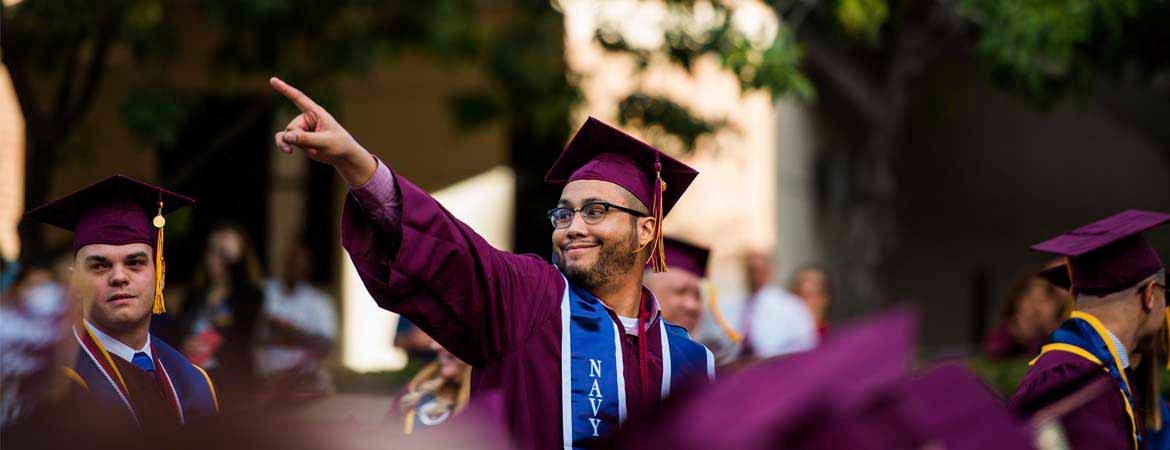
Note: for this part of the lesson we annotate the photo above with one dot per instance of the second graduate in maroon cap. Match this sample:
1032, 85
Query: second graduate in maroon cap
683, 288
572, 348
1120, 287
123, 374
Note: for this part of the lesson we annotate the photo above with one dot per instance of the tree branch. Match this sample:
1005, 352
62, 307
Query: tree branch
95, 72
65, 84
845, 75
243, 122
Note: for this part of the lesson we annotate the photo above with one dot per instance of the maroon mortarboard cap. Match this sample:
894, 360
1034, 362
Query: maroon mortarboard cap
802, 391
947, 407
117, 210
601, 152
1111, 254
686, 256
604, 153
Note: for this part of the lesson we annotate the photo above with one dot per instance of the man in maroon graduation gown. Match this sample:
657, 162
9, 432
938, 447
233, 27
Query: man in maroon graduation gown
123, 376
1119, 284
573, 348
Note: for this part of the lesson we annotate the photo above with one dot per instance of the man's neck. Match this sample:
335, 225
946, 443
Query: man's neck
1117, 322
623, 297
134, 337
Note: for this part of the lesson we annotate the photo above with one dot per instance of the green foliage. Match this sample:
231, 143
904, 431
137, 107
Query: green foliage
862, 19
773, 67
1003, 376
1045, 49
666, 116
156, 115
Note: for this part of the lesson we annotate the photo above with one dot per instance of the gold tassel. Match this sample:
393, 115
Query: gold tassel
408, 423
464, 391
1166, 335
160, 267
658, 248
717, 315
1150, 376
1071, 290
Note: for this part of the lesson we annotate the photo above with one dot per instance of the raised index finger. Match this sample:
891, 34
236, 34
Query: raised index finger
298, 98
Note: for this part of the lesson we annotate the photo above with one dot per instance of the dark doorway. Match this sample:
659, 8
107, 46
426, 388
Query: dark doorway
221, 159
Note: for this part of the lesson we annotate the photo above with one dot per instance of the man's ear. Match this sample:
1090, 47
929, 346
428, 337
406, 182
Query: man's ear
1148, 296
645, 230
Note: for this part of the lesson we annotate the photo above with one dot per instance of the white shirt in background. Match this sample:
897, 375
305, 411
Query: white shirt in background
780, 323
308, 309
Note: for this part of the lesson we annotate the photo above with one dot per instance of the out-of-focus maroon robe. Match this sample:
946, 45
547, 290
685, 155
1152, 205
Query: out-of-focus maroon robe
1100, 424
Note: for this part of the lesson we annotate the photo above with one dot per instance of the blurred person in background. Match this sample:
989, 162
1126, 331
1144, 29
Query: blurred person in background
216, 325
419, 346
122, 376
36, 342
1031, 311
687, 297
811, 284
438, 392
775, 321
298, 329
680, 289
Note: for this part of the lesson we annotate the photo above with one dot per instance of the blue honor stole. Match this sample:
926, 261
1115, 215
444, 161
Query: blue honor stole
1084, 335
593, 392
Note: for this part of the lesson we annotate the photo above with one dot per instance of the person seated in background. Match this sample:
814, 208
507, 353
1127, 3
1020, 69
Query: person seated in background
217, 322
775, 321
439, 391
298, 329
1032, 309
811, 284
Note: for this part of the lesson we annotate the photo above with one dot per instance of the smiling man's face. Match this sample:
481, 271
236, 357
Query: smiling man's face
115, 284
594, 256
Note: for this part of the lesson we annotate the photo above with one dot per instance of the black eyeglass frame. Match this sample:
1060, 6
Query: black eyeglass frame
608, 206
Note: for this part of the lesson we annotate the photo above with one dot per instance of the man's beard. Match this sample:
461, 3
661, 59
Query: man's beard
613, 261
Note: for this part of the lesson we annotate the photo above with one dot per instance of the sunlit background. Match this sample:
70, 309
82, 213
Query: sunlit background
909, 150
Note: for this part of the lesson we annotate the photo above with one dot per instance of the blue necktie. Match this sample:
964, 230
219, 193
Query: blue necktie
143, 362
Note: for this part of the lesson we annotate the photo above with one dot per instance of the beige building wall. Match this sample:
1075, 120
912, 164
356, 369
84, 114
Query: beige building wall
11, 168
732, 204
800, 233
399, 112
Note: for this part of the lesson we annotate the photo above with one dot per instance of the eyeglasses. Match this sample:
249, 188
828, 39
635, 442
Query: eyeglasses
1165, 290
592, 213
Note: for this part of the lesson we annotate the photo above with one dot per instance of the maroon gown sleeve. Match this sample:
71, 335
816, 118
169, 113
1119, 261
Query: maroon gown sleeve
418, 260
1102, 423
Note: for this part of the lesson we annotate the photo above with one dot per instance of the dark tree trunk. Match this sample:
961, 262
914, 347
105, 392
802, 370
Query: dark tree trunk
880, 95
531, 158
40, 161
